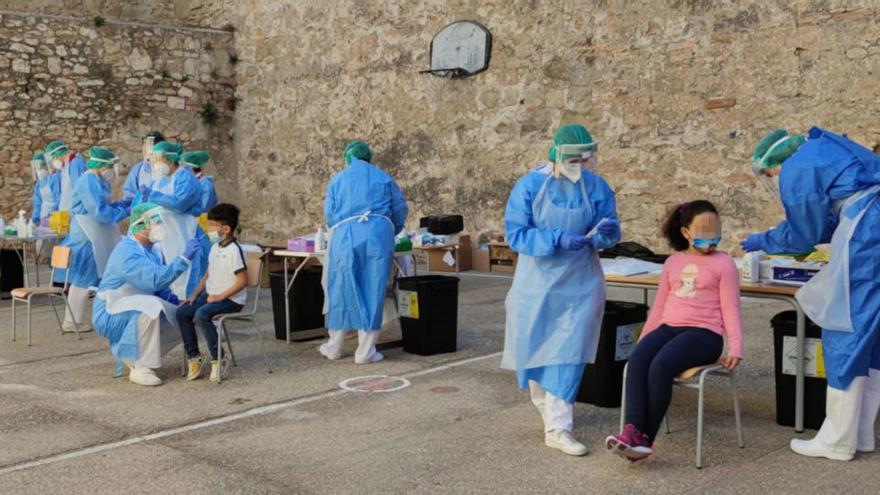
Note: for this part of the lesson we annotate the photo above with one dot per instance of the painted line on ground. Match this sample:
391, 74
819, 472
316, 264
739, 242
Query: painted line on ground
250, 413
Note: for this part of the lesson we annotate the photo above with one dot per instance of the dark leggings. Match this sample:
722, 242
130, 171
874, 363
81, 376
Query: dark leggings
654, 364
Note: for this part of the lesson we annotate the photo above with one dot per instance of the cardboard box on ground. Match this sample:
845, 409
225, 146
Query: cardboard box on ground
463, 258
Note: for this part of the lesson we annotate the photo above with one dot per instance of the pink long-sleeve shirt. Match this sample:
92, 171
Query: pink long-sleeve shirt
702, 291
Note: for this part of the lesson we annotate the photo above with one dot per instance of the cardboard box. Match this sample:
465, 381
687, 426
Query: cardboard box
502, 258
464, 259
481, 260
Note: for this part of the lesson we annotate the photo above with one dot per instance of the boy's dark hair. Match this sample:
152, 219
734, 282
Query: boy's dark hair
225, 214
682, 216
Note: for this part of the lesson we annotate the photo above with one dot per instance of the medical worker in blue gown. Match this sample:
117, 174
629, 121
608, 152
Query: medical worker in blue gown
69, 166
93, 232
135, 308
176, 189
141, 174
829, 187
196, 161
557, 217
47, 190
364, 209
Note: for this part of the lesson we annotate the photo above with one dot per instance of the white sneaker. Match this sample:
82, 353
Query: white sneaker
193, 368
70, 327
144, 376
562, 440
374, 358
815, 448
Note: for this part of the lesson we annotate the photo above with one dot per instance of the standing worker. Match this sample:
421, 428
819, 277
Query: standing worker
558, 216
47, 190
365, 210
134, 308
828, 185
70, 167
93, 231
141, 174
177, 190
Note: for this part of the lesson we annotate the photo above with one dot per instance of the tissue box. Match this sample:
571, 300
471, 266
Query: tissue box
787, 272
301, 245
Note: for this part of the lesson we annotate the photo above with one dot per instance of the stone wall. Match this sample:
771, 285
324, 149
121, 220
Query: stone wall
66, 78
676, 92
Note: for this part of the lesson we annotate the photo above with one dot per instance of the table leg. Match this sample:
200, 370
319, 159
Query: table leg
24, 264
455, 255
286, 302
799, 376
37, 261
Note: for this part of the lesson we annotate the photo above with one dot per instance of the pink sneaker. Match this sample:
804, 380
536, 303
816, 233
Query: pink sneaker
632, 444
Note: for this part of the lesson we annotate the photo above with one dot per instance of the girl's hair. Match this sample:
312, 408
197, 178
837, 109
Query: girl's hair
682, 216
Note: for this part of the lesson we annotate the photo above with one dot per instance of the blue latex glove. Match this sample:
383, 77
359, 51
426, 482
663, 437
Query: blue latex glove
191, 248
145, 194
173, 299
572, 242
751, 243
609, 228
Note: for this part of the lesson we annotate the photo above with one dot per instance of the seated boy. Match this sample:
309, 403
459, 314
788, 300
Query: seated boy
223, 289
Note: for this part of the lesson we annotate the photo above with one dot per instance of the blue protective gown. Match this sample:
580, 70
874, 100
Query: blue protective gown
69, 176
138, 176
89, 198
53, 182
186, 198
361, 253
545, 284
209, 193
141, 267
826, 169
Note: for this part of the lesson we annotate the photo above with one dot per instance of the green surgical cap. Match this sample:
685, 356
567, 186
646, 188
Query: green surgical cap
569, 134
169, 150
100, 157
357, 149
138, 220
774, 149
194, 159
39, 157
56, 149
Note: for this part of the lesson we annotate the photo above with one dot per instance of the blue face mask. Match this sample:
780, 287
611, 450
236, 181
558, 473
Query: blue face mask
213, 236
707, 244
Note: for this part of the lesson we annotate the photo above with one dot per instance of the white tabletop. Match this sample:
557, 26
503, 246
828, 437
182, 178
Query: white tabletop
320, 254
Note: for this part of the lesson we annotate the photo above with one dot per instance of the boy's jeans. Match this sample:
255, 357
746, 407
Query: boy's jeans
202, 312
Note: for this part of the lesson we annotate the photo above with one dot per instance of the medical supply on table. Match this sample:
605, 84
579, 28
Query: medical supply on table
788, 272
403, 245
750, 267
59, 222
21, 224
2, 227
627, 267
301, 245
320, 240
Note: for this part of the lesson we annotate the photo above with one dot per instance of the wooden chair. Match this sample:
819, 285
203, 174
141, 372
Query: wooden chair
686, 379
60, 261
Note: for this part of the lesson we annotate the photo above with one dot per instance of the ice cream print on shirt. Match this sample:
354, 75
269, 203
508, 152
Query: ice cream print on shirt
688, 279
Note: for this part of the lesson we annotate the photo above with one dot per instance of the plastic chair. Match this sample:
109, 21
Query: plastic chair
254, 280
60, 261
685, 379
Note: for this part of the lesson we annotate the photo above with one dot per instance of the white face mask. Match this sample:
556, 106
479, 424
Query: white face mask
572, 170
58, 163
108, 174
159, 170
157, 233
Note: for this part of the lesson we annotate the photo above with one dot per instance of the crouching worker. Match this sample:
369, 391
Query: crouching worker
134, 309
223, 289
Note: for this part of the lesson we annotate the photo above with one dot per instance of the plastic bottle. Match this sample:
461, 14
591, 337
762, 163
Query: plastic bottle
2, 227
319, 240
751, 267
21, 225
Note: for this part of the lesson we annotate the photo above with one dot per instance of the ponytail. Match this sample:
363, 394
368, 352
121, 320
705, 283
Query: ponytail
681, 216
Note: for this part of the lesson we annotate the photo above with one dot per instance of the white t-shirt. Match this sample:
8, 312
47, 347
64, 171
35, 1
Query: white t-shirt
224, 263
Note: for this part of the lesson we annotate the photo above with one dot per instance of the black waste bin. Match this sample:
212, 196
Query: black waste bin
11, 272
306, 301
428, 308
602, 382
784, 340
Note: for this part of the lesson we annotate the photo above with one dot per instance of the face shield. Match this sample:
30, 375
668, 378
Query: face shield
160, 166
39, 169
151, 221
149, 141
572, 159
768, 178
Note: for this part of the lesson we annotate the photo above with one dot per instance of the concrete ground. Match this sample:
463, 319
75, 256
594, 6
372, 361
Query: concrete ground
462, 426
